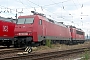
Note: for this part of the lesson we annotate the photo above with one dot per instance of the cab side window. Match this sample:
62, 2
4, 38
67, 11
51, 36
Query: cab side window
40, 22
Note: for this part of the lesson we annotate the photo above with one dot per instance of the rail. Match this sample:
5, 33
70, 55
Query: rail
45, 56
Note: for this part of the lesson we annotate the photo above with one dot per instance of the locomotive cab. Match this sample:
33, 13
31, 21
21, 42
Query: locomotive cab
29, 30
77, 35
25, 30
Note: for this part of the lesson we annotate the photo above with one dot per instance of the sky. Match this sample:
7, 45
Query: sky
71, 12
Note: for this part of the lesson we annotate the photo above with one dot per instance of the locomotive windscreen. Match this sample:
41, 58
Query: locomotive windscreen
25, 20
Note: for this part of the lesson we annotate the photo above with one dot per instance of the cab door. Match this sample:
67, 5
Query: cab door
40, 30
71, 30
40, 27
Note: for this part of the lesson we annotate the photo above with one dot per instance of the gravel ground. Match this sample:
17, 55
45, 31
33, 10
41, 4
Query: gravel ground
76, 56
54, 47
69, 57
59, 47
8, 55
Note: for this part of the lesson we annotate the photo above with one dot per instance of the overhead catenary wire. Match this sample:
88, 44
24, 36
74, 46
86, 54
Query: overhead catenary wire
75, 4
5, 9
62, 7
42, 7
22, 4
37, 5
79, 3
55, 3
34, 3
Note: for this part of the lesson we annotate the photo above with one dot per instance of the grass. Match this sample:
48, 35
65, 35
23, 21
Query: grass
86, 55
48, 43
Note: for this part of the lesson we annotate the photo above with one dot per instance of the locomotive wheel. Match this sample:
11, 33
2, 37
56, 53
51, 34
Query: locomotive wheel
16, 44
8, 46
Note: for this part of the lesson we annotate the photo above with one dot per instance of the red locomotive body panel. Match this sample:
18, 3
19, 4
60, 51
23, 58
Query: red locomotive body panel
56, 31
80, 35
6, 31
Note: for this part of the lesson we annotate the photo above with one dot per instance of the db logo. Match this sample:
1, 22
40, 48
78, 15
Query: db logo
5, 28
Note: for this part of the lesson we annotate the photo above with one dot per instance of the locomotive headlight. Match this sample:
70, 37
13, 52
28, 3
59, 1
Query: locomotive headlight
29, 33
22, 33
16, 34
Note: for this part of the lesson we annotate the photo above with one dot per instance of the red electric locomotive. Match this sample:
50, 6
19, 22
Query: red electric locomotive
35, 29
6, 31
77, 35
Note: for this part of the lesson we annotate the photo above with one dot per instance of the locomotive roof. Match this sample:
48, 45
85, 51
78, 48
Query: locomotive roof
44, 18
27, 16
40, 15
75, 28
79, 29
52, 21
48, 19
2, 18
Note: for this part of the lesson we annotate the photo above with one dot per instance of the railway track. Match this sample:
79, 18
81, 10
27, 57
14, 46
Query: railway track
11, 50
44, 56
5, 47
